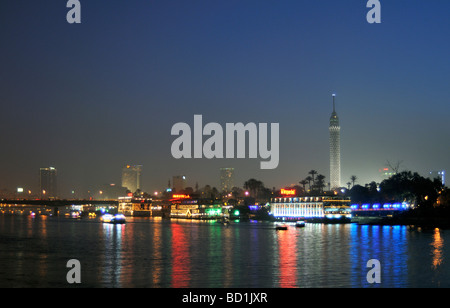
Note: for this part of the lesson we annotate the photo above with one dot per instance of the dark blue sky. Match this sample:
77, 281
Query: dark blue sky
88, 98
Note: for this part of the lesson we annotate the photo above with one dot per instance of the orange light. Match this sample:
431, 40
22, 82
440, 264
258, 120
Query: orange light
288, 192
181, 196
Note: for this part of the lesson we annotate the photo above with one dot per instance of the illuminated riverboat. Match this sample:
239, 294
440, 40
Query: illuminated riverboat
312, 209
183, 206
113, 219
141, 207
377, 212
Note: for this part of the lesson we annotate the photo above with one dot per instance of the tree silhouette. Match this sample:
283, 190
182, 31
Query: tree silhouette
309, 179
412, 188
353, 178
303, 183
313, 173
320, 182
254, 186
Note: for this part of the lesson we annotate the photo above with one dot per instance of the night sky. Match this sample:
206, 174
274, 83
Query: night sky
89, 98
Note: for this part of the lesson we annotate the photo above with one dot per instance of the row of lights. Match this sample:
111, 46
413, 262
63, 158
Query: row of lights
377, 206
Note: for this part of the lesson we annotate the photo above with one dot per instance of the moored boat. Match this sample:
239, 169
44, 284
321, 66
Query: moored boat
281, 227
113, 219
300, 224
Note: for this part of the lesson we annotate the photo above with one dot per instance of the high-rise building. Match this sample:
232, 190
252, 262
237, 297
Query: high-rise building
131, 177
178, 182
335, 149
226, 179
47, 183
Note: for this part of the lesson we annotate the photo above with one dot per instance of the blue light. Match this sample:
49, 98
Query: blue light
376, 206
354, 206
365, 206
387, 205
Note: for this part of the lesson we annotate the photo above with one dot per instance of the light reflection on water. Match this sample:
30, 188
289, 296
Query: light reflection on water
151, 252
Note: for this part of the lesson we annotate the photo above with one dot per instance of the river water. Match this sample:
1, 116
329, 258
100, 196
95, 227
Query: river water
154, 253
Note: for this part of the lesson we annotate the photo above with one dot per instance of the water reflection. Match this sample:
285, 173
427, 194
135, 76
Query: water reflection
180, 257
156, 247
389, 245
227, 257
112, 263
437, 244
160, 253
287, 258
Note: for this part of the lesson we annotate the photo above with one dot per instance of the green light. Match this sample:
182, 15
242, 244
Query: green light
236, 213
213, 212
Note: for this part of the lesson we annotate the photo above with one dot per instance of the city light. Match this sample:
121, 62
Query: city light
377, 207
181, 196
288, 192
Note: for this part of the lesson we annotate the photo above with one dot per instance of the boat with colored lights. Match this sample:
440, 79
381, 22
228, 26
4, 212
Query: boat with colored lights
300, 224
378, 213
113, 219
281, 227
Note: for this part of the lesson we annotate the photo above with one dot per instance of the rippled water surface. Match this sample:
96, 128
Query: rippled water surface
151, 252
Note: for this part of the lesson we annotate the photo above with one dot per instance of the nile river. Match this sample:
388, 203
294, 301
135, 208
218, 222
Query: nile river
156, 253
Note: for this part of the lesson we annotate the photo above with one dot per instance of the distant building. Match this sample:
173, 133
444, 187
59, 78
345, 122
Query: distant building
109, 192
226, 179
439, 175
48, 183
131, 177
179, 182
335, 149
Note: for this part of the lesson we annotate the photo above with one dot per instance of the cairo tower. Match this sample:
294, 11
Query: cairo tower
335, 149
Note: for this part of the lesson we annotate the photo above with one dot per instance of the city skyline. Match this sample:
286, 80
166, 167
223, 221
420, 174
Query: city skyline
75, 96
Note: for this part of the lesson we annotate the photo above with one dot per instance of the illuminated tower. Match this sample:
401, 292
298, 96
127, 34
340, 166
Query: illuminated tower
226, 179
179, 183
131, 177
47, 183
335, 149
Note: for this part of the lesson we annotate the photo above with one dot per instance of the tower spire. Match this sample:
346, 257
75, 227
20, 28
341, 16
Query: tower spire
334, 109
